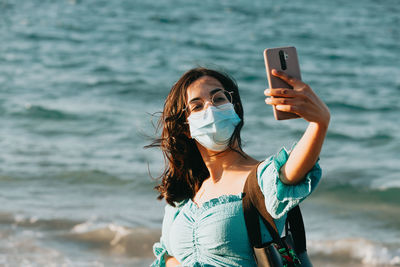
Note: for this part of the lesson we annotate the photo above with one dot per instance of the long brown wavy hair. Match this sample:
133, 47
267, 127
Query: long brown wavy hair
185, 170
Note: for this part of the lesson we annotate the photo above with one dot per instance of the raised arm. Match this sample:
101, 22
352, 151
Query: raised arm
303, 101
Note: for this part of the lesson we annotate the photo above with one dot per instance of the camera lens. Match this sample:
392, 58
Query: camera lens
286, 55
282, 56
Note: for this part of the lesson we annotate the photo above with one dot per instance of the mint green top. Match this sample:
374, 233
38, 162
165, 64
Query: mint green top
215, 234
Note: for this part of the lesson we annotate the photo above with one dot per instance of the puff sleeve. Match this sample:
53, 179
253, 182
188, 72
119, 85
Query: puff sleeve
162, 247
280, 197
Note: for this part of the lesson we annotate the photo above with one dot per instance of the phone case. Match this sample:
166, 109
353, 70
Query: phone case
274, 60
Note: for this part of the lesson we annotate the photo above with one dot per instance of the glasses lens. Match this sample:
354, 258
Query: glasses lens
221, 98
218, 99
196, 106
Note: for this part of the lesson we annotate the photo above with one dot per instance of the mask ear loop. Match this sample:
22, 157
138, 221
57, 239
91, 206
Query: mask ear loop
186, 112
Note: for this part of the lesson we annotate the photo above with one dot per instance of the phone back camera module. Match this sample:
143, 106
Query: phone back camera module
283, 56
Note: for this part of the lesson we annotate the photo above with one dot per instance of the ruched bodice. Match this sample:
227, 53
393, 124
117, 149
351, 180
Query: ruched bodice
200, 236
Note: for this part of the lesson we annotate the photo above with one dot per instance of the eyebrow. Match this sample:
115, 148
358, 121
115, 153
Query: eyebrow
213, 92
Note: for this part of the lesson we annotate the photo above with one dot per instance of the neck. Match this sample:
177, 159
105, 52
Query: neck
218, 162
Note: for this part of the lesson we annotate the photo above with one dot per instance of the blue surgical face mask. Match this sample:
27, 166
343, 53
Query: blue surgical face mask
213, 127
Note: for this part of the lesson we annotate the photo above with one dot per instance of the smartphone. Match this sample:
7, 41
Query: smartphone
283, 59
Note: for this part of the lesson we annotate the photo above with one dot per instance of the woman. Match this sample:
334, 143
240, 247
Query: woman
206, 168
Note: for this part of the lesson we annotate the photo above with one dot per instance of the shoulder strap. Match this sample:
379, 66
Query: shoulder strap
296, 225
253, 207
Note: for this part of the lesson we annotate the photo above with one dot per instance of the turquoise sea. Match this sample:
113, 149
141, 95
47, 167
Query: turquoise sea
79, 80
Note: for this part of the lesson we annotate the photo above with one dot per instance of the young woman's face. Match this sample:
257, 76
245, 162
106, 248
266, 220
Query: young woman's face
201, 92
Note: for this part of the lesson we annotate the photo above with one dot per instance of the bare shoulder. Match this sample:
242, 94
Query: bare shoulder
239, 176
248, 164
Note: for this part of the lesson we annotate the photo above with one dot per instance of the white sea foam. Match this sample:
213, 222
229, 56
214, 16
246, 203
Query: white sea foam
119, 231
362, 250
86, 226
387, 182
117, 239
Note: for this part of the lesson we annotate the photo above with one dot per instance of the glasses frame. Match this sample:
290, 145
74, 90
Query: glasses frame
230, 93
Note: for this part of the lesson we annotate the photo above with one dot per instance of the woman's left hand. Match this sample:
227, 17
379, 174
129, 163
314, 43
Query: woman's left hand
300, 100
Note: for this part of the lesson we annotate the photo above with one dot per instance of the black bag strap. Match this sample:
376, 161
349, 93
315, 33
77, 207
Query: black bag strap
254, 206
296, 227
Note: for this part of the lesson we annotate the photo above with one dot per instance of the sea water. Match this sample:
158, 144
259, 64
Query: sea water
79, 80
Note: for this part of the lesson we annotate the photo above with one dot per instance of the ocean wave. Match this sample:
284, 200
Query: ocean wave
22, 220
355, 202
386, 193
94, 82
42, 112
132, 242
357, 250
140, 184
90, 177
37, 36
335, 134
358, 107
81, 177
65, 64
176, 19
111, 237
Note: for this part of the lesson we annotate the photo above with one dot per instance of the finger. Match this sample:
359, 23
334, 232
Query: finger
287, 108
284, 92
280, 101
288, 79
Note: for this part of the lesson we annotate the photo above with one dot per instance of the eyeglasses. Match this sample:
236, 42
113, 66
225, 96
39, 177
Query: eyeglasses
218, 99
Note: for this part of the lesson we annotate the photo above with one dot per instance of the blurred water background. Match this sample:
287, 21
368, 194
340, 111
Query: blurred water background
79, 78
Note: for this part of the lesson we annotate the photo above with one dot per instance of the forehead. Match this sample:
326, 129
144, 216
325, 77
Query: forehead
202, 87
